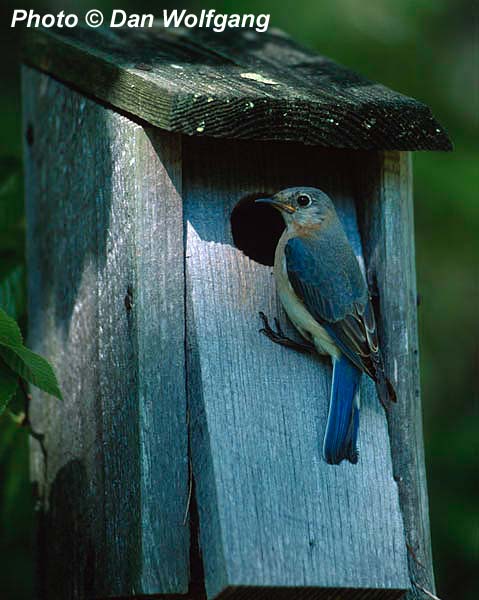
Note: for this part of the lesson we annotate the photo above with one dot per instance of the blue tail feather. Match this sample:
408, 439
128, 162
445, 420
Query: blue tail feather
340, 440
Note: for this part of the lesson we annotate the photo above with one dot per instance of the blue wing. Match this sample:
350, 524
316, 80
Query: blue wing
325, 274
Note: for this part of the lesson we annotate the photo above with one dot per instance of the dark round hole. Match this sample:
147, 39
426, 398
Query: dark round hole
256, 229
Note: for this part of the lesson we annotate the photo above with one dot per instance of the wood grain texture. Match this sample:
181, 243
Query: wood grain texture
236, 84
274, 517
387, 224
106, 307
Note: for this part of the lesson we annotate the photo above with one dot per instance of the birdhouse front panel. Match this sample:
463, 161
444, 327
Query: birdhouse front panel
279, 513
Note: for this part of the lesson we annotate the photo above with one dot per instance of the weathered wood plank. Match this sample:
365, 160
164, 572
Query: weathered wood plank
387, 225
236, 84
272, 513
106, 306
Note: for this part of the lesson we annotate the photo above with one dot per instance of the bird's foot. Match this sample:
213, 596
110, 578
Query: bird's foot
278, 337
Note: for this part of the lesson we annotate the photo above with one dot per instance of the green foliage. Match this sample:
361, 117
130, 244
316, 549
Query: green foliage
16, 513
16, 510
10, 334
15, 359
12, 238
11, 281
8, 386
12, 222
12, 288
31, 367
16, 362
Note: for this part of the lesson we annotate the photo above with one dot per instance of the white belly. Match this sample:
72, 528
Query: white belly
299, 315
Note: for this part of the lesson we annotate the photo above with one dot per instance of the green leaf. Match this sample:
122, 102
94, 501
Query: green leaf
32, 367
10, 334
8, 386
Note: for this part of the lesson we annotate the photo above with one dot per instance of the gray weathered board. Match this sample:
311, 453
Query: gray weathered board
235, 84
106, 306
272, 513
384, 193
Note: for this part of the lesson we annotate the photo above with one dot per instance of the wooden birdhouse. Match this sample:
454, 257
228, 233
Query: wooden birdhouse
186, 458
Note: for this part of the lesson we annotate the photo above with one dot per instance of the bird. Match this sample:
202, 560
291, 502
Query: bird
325, 295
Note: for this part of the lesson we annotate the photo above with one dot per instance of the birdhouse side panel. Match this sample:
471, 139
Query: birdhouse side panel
104, 226
385, 201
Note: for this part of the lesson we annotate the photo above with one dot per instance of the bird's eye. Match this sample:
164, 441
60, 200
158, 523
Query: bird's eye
303, 200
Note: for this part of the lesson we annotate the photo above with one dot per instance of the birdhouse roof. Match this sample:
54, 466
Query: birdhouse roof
238, 84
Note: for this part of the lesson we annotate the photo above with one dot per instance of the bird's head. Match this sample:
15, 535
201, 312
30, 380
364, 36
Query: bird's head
303, 206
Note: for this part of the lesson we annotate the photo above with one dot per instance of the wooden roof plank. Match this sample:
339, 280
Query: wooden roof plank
242, 85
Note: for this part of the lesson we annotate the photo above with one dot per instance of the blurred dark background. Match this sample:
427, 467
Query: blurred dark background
424, 48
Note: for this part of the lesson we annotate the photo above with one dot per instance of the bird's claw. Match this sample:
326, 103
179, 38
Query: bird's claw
279, 329
278, 336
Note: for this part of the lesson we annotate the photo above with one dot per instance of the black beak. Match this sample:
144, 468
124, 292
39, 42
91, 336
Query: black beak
277, 204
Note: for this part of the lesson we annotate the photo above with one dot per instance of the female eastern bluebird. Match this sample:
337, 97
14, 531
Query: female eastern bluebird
323, 292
